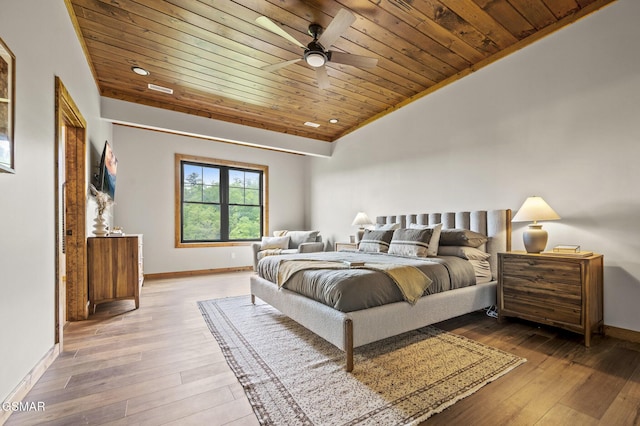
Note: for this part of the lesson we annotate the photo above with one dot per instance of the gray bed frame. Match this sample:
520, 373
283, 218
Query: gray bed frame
348, 330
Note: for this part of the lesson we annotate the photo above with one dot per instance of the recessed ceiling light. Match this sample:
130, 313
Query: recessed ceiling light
333, 120
140, 71
310, 124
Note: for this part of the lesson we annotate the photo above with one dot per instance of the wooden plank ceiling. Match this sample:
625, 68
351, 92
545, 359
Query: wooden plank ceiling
210, 52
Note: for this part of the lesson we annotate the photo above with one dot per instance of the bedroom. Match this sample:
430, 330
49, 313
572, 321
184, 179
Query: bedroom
573, 110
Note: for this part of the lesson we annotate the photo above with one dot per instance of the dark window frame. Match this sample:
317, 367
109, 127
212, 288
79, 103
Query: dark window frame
225, 167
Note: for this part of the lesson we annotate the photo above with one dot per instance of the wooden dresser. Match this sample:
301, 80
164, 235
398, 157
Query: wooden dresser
115, 268
561, 291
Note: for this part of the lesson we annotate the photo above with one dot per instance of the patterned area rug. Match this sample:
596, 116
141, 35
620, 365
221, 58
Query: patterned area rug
293, 377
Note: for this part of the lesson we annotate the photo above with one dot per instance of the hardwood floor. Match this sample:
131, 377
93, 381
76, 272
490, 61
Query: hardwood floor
160, 365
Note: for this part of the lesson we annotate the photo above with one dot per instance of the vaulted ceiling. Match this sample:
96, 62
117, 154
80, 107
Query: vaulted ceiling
211, 53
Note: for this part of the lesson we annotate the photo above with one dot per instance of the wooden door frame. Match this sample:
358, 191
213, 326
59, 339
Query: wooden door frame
68, 114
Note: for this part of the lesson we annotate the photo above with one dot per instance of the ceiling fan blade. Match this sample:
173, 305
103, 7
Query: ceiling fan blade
268, 24
275, 67
339, 25
353, 60
322, 77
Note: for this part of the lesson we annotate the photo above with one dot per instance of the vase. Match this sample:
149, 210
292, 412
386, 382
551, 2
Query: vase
100, 227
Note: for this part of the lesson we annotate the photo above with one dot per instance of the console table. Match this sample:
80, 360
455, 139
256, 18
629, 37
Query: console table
115, 268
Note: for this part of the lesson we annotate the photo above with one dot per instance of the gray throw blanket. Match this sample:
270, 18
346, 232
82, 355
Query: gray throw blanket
411, 281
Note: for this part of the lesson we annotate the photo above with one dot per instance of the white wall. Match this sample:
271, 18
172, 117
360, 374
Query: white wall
559, 119
41, 36
145, 195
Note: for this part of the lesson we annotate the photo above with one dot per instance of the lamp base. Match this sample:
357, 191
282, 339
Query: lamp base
535, 238
359, 235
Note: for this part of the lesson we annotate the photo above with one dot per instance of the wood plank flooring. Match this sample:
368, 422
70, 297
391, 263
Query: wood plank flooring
160, 365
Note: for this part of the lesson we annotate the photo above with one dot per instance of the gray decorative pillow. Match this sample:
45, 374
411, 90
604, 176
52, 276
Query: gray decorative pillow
464, 252
375, 241
462, 237
410, 242
435, 236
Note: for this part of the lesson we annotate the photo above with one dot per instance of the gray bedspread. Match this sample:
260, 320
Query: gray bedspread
353, 289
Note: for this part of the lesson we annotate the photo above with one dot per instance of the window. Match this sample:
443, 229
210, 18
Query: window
219, 202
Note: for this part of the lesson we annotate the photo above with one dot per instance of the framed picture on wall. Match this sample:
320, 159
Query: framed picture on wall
7, 108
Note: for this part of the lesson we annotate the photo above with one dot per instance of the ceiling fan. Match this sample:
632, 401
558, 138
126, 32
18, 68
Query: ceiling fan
315, 54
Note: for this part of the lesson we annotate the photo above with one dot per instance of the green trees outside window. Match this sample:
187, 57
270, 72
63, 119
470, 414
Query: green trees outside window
220, 203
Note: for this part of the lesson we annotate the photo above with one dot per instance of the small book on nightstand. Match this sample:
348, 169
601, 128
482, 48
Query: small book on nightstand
566, 249
569, 254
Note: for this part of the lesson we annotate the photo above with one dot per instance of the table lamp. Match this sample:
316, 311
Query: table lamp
361, 220
534, 209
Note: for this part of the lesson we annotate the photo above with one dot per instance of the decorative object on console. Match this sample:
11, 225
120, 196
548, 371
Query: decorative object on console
103, 200
534, 209
116, 230
361, 220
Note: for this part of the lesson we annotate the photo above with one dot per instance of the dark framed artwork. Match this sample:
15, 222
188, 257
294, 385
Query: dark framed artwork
7, 108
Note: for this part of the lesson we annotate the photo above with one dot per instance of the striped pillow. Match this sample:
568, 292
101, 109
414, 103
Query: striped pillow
375, 241
435, 236
411, 242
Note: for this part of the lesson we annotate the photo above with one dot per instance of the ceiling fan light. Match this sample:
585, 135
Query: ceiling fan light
315, 59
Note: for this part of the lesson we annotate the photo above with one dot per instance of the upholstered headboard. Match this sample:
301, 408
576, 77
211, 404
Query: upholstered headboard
495, 224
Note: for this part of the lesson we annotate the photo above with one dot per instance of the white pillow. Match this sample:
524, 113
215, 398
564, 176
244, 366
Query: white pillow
269, 243
435, 236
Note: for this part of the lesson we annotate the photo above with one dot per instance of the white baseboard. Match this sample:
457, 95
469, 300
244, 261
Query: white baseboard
29, 381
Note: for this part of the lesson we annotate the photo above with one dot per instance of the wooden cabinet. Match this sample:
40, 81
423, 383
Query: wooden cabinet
115, 268
561, 291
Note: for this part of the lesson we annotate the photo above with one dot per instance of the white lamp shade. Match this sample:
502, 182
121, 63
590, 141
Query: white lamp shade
534, 209
361, 220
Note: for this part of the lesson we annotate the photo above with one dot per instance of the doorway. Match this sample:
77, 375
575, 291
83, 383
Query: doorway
71, 295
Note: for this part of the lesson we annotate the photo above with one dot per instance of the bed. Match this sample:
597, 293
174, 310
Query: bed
348, 329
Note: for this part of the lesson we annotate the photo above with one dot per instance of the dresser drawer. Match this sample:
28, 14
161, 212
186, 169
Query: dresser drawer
551, 304
543, 270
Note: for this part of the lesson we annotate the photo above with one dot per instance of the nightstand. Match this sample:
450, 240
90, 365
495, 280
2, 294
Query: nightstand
560, 291
346, 246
